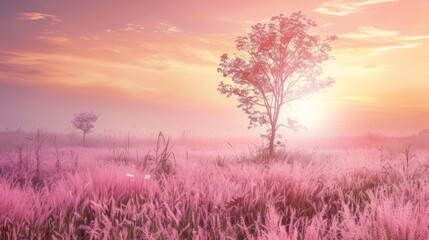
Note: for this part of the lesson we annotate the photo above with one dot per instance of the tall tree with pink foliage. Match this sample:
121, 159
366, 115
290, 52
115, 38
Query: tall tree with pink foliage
278, 63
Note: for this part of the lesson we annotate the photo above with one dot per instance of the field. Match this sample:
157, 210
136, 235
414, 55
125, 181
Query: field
122, 188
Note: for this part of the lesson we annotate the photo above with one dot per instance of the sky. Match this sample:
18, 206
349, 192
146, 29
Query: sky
151, 65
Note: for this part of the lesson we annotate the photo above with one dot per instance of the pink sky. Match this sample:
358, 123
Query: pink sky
151, 65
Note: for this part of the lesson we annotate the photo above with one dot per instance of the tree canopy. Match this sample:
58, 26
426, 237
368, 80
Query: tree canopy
84, 121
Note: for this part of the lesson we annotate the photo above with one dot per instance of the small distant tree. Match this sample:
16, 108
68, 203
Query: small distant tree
84, 121
278, 62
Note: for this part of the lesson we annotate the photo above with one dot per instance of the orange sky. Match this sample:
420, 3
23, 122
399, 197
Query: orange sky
151, 65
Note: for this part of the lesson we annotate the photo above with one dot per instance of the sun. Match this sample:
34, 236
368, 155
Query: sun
308, 113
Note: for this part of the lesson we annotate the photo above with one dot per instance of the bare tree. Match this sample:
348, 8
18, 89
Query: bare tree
84, 121
278, 63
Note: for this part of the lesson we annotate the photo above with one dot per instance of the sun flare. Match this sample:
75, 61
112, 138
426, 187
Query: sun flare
308, 112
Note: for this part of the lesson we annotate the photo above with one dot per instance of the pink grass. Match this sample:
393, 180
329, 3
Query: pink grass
303, 195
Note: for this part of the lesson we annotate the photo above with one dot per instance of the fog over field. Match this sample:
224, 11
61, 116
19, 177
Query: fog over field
129, 188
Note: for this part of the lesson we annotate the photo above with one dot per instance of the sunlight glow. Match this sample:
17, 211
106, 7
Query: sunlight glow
308, 112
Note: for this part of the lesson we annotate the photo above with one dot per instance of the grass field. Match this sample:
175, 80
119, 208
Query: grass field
152, 189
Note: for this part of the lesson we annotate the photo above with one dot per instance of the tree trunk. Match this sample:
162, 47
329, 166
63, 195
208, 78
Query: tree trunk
273, 130
272, 138
84, 136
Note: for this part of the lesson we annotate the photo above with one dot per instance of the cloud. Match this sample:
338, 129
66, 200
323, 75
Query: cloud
130, 27
414, 38
33, 68
247, 24
172, 30
345, 69
342, 8
358, 53
353, 99
253, 22
89, 37
371, 33
325, 25
33, 16
55, 40
370, 2
6, 68
150, 28
378, 40
166, 28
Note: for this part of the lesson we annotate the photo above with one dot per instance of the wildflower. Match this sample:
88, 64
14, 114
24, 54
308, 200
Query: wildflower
130, 175
147, 176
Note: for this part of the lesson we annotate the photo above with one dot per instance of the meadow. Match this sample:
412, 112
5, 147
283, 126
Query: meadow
51, 187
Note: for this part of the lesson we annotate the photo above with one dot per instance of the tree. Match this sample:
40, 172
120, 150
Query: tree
84, 121
278, 63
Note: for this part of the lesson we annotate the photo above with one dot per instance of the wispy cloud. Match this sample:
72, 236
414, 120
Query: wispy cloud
148, 29
354, 99
325, 25
166, 28
342, 8
372, 33
346, 69
89, 37
379, 41
130, 27
23, 70
34, 16
55, 40
253, 22
247, 24
59, 70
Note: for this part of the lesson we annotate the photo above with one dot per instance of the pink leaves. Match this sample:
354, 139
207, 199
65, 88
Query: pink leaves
332, 38
241, 43
293, 125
